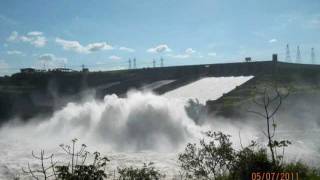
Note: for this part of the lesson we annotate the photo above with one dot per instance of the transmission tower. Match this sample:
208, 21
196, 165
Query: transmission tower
313, 56
154, 63
161, 59
288, 57
298, 58
129, 63
134, 63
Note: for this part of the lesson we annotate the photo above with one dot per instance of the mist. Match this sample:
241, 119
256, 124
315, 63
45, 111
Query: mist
146, 127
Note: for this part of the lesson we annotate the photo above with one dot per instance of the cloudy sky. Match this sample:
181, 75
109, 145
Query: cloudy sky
104, 34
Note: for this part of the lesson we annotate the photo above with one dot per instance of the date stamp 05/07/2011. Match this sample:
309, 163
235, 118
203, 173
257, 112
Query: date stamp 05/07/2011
274, 176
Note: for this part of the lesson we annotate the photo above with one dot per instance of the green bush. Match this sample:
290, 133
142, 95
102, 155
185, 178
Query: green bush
94, 171
211, 160
216, 159
147, 172
249, 160
304, 172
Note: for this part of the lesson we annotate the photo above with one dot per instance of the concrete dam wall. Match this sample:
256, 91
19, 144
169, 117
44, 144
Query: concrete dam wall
26, 95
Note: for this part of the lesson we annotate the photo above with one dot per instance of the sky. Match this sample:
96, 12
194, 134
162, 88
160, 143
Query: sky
105, 34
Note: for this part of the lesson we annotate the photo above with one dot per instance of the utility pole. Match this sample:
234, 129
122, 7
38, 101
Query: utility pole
134, 63
129, 63
313, 56
298, 58
161, 59
288, 57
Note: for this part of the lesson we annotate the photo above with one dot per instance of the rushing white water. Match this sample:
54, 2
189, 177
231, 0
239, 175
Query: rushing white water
142, 122
210, 88
140, 128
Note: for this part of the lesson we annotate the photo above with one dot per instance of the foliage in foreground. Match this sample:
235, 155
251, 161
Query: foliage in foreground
147, 172
215, 158
78, 168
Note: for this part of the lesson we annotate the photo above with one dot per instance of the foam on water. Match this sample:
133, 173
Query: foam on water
140, 122
140, 128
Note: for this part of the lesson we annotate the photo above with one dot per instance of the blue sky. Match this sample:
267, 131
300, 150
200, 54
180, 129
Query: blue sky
104, 34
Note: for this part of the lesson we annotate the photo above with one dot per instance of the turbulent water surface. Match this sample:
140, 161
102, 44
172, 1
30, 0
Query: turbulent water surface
142, 127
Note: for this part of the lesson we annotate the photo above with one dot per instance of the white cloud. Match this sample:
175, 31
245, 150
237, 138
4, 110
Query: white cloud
122, 48
273, 40
190, 51
212, 54
70, 45
159, 49
77, 47
35, 38
98, 46
51, 61
187, 54
113, 57
35, 33
38, 41
14, 52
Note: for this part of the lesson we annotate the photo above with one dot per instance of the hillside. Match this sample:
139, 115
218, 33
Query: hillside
302, 84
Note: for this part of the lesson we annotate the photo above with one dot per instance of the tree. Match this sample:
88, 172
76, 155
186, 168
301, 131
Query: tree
213, 159
270, 100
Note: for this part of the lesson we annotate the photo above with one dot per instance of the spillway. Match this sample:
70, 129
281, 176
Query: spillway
210, 88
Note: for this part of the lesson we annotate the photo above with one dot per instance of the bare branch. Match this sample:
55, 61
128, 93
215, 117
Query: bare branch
257, 113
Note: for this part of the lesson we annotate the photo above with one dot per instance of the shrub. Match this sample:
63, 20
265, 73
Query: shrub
216, 159
251, 159
94, 171
76, 169
304, 172
212, 159
147, 172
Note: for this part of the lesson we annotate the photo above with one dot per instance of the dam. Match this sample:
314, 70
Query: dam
26, 95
